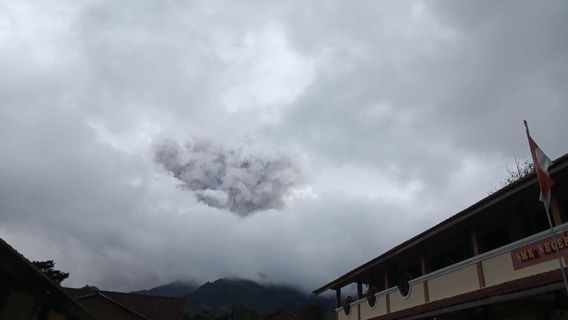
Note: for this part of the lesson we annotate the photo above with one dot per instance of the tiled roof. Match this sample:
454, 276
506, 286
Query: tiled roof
151, 307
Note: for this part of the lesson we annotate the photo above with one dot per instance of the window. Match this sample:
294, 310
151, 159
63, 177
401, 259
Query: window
496, 238
371, 298
347, 305
404, 284
455, 254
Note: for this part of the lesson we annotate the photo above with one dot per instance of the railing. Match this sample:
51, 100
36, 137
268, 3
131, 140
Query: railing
484, 270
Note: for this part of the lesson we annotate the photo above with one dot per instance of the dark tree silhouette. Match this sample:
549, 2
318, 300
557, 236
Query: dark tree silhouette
311, 312
521, 170
48, 268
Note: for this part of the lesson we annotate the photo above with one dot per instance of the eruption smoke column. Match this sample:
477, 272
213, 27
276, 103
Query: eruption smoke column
230, 179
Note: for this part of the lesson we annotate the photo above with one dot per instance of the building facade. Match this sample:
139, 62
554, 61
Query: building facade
496, 259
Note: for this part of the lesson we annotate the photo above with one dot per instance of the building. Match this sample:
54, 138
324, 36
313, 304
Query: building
493, 260
26, 293
127, 306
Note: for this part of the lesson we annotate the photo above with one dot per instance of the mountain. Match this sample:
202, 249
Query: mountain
224, 294
221, 295
176, 289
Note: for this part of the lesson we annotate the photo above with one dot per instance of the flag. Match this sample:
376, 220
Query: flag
541, 164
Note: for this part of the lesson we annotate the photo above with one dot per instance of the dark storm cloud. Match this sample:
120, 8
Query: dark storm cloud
401, 114
228, 178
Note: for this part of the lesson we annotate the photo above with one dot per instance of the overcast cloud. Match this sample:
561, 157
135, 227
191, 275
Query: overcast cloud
382, 117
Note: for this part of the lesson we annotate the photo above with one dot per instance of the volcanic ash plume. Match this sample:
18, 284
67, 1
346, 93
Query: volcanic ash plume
230, 179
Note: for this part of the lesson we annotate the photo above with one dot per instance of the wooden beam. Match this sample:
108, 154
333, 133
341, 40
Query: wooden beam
555, 210
426, 292
338, 297
387, 296
480, 274
474, 241
359, 289
424, 265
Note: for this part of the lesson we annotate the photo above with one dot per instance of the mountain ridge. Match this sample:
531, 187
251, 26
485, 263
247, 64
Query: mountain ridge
223, 294
176, 289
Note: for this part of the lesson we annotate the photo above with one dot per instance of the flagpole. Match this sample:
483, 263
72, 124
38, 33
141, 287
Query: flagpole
552, 232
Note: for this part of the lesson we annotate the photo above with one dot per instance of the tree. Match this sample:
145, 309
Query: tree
523, 169
311, 312
48, 268
90, 288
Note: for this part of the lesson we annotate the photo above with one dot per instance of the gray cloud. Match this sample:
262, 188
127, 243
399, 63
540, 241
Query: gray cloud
229, 178
400, 113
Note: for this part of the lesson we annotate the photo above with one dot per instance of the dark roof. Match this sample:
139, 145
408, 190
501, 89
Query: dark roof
148, 306
16, 266
103, 313
521, 184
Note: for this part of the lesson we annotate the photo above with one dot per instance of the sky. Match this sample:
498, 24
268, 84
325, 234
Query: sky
285, 142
